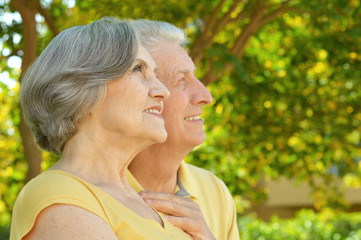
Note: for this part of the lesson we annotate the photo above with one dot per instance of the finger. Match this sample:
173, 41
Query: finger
191, 227
171, 208
160, 195
184, 223
168, 197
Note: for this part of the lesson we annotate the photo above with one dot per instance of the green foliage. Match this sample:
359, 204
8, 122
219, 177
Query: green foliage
290, 108
307, 225
12, 165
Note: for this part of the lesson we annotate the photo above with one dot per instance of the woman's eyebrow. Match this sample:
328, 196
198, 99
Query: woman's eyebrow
145, 64
141, 61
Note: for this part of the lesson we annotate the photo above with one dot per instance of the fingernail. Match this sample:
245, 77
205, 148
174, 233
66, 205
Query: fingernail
143, 193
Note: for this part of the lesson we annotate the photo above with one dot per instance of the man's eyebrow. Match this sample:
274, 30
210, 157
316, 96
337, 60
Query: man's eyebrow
185, 71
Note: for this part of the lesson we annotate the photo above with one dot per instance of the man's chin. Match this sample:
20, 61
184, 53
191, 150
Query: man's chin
186, 141
196, 141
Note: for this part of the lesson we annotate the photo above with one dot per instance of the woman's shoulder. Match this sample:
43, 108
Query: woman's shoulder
54, 183
47, 189
52, 187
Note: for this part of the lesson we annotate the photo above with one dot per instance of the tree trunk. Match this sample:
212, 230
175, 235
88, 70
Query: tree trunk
28, 10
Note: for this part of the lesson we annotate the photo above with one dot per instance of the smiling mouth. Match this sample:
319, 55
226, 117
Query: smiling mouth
155, 110
193, 118
152, 110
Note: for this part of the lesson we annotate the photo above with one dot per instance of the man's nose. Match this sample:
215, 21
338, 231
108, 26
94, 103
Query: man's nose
201, 95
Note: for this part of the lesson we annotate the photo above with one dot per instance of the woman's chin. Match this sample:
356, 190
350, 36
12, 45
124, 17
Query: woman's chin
160, 137
163, 137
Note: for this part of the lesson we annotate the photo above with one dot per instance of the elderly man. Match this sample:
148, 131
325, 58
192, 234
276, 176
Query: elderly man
193, 199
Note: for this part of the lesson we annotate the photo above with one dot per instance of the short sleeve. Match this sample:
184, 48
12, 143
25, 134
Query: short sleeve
44, 191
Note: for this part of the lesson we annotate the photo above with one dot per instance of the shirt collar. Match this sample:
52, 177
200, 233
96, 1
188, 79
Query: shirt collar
180, 190
186, 180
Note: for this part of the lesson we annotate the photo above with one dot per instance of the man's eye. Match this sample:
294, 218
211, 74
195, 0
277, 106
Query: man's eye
182, 79
138, 68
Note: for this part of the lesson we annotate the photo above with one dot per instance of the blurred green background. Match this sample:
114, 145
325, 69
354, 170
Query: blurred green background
285, 77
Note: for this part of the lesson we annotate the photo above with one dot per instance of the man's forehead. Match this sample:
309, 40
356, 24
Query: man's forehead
170, 51
182, 66
172, 58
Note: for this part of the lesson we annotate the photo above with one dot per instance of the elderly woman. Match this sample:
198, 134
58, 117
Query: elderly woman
92, 97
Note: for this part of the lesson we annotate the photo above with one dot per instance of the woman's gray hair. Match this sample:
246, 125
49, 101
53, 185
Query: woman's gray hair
153, 33
70, 77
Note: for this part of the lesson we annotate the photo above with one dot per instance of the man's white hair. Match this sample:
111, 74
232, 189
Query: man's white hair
153, 33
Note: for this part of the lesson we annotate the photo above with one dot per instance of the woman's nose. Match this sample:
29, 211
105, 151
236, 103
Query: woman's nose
159, 91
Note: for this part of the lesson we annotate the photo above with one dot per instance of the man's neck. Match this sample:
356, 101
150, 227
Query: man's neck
156, 167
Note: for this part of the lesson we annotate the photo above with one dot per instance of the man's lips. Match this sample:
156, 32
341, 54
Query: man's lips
193, 117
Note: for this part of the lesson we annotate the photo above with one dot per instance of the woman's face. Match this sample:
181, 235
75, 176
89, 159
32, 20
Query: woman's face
133, 103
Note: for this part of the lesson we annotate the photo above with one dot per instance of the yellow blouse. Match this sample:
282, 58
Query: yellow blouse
53, 186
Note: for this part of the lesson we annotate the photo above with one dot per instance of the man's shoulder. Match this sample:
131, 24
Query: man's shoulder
214, 199
197, 170
203, 176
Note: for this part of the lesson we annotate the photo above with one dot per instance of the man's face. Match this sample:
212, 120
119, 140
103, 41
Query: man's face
183, 108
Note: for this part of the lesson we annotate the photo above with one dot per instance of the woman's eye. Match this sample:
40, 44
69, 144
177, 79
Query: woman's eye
182, 79
138, 68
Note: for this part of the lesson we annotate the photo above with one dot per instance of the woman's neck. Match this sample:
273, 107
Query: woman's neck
101, 159
98, 157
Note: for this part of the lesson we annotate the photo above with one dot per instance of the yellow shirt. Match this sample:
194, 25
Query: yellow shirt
54, 186
212, 196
